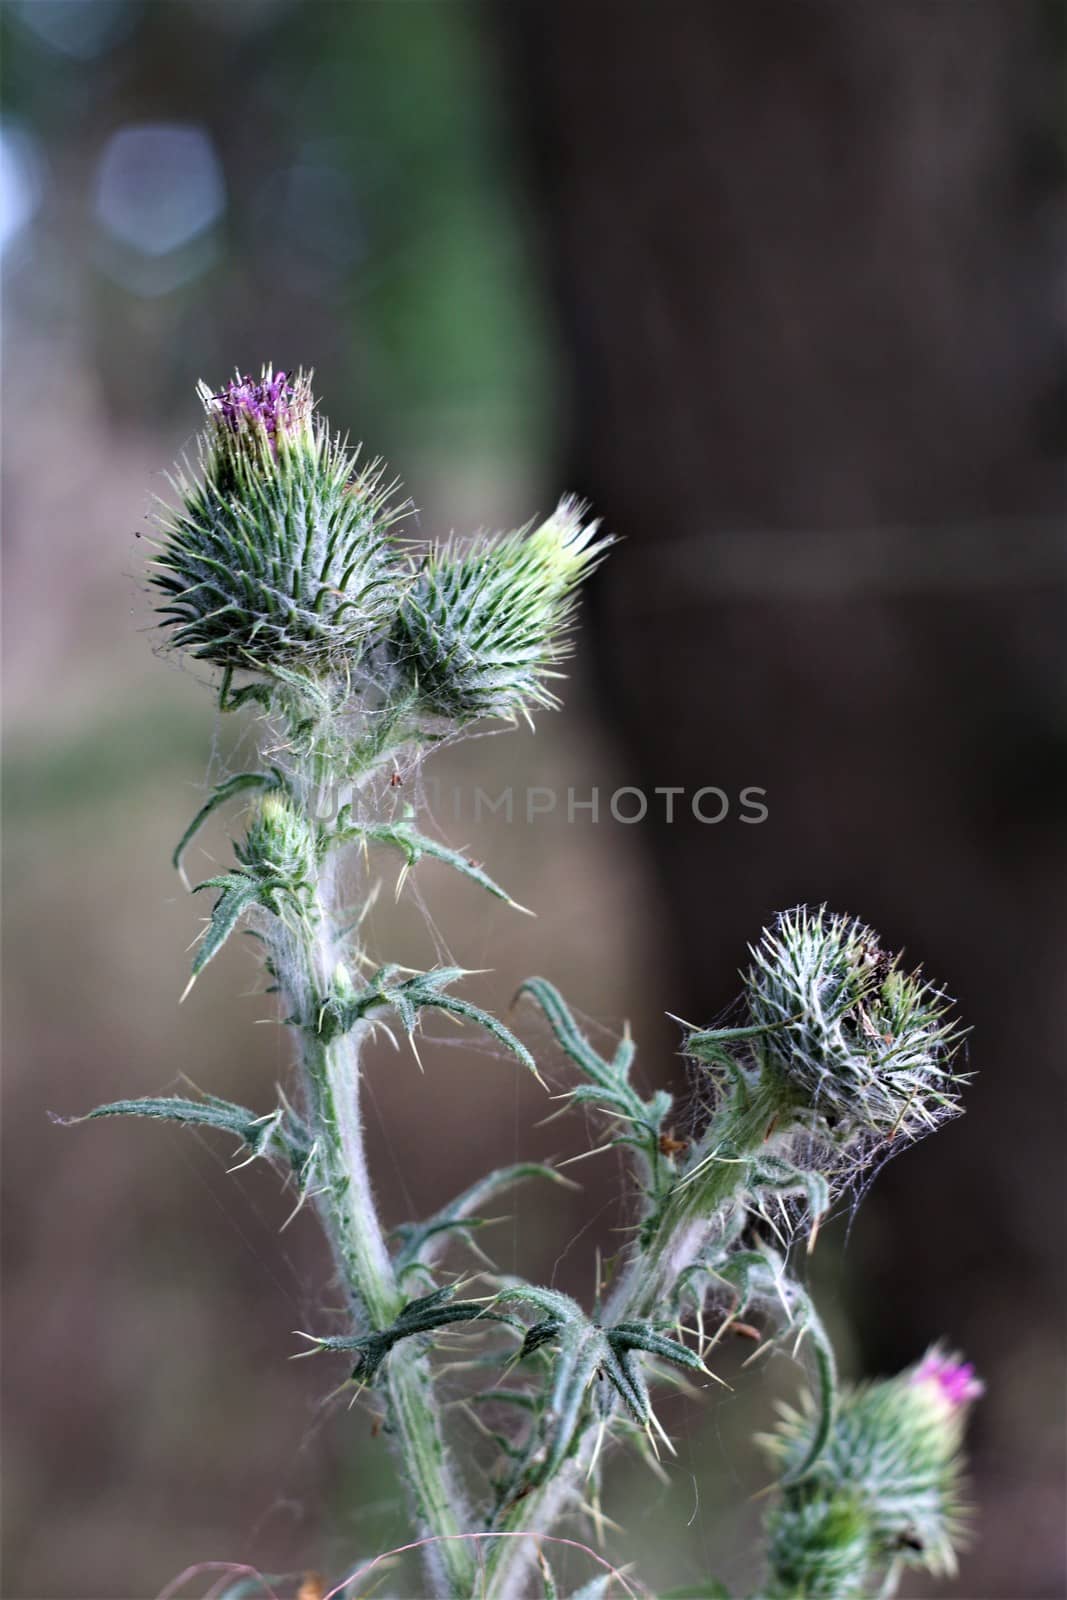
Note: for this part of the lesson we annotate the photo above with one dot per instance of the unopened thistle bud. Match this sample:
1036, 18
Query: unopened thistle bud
891, 1469
280, 842
847, 1032
481, 628
278, 553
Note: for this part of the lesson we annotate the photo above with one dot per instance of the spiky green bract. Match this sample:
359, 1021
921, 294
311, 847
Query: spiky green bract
846, 1032
818, 1549
890, 1468
278, 553
480, 629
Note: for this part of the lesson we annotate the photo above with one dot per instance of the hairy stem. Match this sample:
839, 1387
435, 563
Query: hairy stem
694, 1205
346, 1205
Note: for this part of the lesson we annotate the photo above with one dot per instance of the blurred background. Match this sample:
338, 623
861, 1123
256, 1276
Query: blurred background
779, 286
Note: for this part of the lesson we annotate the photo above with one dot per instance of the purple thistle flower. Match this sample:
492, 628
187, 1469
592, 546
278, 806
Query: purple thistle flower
954, 1380
272, 401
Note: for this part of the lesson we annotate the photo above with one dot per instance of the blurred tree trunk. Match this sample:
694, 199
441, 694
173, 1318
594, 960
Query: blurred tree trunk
806, 263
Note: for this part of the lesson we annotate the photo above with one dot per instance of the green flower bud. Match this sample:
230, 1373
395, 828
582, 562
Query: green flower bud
893, 1458
280, 843
278, 552
846, 1031
480, 629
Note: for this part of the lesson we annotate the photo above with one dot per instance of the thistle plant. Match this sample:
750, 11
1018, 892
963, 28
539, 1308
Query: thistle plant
280, 567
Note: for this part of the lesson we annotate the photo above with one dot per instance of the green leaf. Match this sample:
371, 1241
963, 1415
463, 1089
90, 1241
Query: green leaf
403, 837
252, 693
622, 1373
492, 1025
782, 1177
238, 784
826, 1399
569, 1036
256, 1132
427, 989
559, 1306
239, 892
425, 1315
610, 1089
538, 1334
638, 1336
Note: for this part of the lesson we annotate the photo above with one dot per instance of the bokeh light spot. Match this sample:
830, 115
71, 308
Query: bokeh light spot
20, 181
79, 28
159, 185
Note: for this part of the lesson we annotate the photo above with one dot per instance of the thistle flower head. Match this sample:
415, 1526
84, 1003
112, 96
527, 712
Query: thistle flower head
480, 628
893, 1452
849, 1033
277, 554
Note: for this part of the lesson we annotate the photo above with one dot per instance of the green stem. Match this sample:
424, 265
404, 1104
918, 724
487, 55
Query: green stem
695, 1202
347, 1201
346, 1205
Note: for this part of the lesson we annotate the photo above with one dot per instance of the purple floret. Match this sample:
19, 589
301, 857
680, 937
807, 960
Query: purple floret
269, 402
955, 1379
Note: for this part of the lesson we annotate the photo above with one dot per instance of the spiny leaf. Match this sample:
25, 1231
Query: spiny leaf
538, 1334
424, 990
559, 1306
609, 1088
414, 845
621, 1372
238, 784
569, 1036
425, 1315
638, 1336
256, 1132
239, 892
491, 1024
761, 1273
583, 1351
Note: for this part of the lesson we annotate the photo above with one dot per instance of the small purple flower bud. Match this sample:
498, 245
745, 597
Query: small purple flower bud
953, 1381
